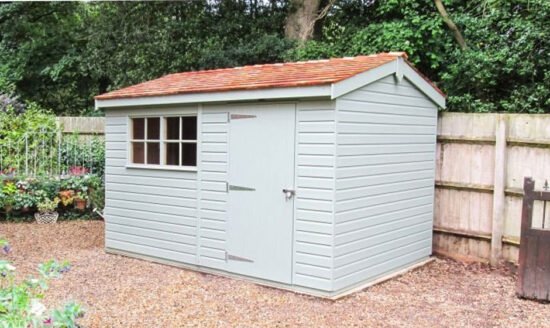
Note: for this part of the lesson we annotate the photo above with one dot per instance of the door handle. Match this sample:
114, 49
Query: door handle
289, 193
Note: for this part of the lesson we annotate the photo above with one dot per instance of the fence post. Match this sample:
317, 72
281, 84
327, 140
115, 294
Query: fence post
499, 197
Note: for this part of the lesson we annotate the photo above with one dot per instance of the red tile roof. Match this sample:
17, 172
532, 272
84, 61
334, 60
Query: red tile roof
296, 74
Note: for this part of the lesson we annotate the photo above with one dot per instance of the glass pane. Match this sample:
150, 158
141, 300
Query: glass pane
138, 152
153, 153
153, 128
189, 154
138, 125
172, 153
172, 128
189, 128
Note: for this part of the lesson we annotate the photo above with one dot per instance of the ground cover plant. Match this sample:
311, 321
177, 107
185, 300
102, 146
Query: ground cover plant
21, 303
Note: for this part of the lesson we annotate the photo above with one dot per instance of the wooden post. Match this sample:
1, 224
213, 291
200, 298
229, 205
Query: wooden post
499, 198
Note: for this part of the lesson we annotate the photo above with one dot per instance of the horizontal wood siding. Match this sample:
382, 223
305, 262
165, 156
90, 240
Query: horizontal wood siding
149, 212
213, 194
386, 137
313, 227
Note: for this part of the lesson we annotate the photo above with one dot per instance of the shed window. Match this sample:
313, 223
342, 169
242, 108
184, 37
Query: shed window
170, 140
180, 143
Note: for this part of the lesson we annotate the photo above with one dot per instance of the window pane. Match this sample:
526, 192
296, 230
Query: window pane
138, 152
172, 128
153, 153
153, 128
189, 128
172, 153
189, 154
138, 128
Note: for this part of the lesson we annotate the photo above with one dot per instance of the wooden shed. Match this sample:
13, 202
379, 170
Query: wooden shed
315, 176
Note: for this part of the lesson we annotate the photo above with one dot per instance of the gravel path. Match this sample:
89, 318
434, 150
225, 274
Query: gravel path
121, 292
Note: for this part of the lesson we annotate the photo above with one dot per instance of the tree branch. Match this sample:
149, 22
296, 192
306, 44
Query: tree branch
309, 31
452, 26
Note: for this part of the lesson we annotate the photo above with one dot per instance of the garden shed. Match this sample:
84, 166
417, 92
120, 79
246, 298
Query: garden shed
315, 176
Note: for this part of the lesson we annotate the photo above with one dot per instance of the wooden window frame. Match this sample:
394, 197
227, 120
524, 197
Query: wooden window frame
162, 141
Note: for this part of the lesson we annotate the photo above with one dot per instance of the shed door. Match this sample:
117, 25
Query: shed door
261, 165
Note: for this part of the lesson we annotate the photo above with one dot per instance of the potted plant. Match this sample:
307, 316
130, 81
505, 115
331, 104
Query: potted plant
8, 190
66, 197
46, 211
80, 200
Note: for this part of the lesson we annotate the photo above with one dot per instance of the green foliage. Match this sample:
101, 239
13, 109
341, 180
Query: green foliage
60, 55
77, 152
24, 200
20, 301
63, 54
97, 197
507, 65
33, 132
29, 142
505, 68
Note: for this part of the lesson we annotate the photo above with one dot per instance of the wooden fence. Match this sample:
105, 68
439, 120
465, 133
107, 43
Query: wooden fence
83, 125
481, 162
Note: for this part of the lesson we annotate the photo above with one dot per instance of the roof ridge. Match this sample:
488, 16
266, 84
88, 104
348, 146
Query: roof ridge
301, 62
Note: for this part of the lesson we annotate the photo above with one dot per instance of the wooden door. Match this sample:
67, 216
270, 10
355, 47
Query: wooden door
261, 166
534, 252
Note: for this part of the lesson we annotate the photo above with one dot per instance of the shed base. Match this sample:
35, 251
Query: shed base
292, 288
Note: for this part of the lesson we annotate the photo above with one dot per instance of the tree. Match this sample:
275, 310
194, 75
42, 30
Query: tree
304, 16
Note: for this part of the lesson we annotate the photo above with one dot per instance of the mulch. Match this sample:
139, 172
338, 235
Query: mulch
117, 291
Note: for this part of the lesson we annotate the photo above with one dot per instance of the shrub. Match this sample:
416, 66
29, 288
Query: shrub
27, 140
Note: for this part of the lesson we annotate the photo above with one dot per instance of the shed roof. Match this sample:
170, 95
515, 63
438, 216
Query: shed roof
294, 74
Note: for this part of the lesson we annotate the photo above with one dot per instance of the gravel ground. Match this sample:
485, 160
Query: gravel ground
121, 292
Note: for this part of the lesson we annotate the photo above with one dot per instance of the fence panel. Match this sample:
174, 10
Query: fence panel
482, 160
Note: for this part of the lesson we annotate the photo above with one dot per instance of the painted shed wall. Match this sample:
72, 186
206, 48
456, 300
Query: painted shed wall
182, 216
148, 212
385, 164
314, 202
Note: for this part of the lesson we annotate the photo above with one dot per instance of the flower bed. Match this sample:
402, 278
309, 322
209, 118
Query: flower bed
72, 196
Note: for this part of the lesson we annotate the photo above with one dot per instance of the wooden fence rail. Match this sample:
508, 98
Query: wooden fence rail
481, 162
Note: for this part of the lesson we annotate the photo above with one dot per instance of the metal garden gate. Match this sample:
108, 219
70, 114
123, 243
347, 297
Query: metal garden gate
534, 253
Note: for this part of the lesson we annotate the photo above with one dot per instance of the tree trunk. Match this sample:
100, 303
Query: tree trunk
452, 26
301, 19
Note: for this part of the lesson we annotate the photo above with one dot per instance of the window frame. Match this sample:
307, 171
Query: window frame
162, 141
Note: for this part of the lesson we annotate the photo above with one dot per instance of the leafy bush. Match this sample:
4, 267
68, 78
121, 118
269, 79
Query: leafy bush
505, 67
28, 139
20, 302
30, 144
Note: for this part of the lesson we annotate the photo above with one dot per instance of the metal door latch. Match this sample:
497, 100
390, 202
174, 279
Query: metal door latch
289, 193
